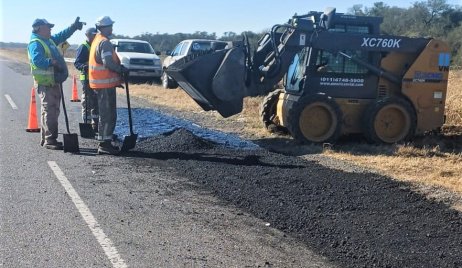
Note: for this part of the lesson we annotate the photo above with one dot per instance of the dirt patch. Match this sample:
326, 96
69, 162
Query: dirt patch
356, 219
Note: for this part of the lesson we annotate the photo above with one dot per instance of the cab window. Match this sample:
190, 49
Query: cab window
295, 73
327, 62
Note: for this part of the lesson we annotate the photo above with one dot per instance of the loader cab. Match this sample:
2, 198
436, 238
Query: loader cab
321, 70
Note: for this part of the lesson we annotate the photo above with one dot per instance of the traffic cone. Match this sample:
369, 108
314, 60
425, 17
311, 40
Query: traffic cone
32, 125
75, 96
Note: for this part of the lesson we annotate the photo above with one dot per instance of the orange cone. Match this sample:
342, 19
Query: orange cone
75, 96
32, 125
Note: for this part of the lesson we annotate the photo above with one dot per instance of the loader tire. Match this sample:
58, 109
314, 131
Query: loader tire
390, 120
315, 118
168, 82
268, 110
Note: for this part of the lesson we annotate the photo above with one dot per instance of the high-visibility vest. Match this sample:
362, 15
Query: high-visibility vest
44, 77
83, 75
99, 75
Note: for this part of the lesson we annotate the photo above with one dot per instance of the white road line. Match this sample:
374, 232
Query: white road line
104, 241
10, 100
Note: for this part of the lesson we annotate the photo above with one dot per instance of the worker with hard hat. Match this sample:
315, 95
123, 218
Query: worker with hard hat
49, 71
105, 74
89, 100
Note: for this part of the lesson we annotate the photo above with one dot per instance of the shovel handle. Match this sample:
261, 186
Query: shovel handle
128, 104
86, 102
64, 108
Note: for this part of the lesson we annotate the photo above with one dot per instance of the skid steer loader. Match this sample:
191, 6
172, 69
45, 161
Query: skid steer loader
341, 76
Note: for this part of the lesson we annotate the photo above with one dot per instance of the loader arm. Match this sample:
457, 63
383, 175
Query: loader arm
220, 80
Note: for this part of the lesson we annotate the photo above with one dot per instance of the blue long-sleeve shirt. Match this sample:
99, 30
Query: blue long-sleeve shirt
40, 59
82, 57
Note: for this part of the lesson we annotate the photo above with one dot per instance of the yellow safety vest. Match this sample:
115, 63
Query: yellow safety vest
41, 76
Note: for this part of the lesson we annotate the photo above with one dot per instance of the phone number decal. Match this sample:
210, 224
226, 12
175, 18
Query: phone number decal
349, 82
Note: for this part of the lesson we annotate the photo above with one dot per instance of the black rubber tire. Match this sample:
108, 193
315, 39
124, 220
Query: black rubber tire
268, 115
390, 120
168, 82
315, 119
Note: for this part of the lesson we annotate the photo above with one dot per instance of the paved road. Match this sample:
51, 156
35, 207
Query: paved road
82, 210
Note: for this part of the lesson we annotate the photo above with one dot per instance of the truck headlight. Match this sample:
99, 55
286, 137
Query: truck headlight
125, 61
437, 95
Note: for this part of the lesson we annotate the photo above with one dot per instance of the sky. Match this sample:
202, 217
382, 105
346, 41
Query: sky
167, 16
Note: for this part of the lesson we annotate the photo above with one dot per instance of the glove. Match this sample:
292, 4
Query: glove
85, 69
77, 25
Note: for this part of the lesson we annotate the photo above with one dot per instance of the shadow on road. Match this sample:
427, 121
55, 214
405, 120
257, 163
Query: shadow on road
248, 160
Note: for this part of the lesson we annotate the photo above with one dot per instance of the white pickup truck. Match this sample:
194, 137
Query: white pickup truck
184, 48
139, 57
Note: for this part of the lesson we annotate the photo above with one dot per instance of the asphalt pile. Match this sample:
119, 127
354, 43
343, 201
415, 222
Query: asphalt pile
353, 219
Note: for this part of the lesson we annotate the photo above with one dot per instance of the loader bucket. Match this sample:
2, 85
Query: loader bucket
216, 81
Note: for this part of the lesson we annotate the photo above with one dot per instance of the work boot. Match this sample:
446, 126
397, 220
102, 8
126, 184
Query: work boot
106, 147
53, 145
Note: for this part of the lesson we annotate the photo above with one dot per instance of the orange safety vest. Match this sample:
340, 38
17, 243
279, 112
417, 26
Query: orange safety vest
99, 75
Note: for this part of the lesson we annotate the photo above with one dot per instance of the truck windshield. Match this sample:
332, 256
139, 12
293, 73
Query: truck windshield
204, 46
135, 47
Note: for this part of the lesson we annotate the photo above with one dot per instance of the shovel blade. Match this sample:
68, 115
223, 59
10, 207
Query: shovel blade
129, 143
71, 143
86, 131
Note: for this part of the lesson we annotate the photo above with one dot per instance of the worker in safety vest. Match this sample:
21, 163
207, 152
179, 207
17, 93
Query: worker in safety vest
49, 71
89, 100
105, 74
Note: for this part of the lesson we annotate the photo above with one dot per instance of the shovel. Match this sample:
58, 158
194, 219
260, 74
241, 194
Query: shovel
70, 141
129, 141
86, 131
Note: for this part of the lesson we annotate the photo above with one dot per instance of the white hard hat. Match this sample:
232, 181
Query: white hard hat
104, 21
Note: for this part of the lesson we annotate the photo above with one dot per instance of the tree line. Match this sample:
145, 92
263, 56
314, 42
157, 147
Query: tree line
167, 42
430, 18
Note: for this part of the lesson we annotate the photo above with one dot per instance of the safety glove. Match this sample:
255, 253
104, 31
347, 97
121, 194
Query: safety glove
77, 25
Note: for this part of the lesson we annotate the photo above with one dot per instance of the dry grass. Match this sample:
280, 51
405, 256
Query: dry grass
428, 162
427, 166
454, 99
16, 54
167, 98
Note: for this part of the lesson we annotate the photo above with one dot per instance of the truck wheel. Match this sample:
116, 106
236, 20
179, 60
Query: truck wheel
268, 112
315, 118
168, 82
389, 120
